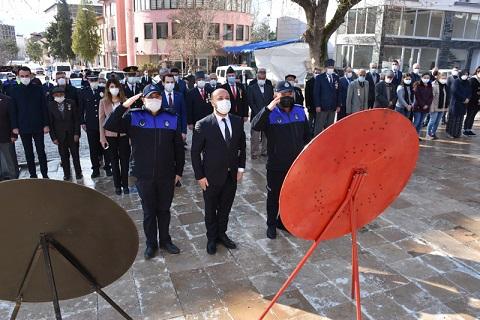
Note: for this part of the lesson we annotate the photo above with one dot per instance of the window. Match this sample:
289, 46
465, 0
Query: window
423, 20
392, 53
355, 56
428, 58
459, 25
465, 26
247, 33
458, 57
162, 30
471, 26
352, 17
408, 22
157, 4
371, 19
239, 33
114, 34
228, 32
148, 30
407, 56
414, 23
393, 23
436, 23
175, 26
214, 31
361, 20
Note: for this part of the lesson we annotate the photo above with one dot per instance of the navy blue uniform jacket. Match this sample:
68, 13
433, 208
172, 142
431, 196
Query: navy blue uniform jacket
29, 112
325, 94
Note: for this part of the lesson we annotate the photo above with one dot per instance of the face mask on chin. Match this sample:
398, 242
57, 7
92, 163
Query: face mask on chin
153, 105
223, 107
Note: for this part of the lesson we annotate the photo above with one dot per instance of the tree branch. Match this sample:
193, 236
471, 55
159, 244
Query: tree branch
339, 17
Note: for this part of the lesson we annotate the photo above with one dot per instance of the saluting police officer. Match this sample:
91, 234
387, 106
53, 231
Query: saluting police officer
157, 147
286, 127
89, 98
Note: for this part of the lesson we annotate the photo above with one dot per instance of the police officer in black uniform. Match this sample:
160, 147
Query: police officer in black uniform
286, 127
133, 85
157, 147
89, 98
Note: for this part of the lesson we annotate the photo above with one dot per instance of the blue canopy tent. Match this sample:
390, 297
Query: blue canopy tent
250, 47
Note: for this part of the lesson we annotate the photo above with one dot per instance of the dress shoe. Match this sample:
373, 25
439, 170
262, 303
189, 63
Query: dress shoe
227, 242
33, 176
46, 177
95, 174
118, 191
79, 176
211, 247
150, 253
170, 248
126, 190
178, 184
108, 172
67, 178
271, 232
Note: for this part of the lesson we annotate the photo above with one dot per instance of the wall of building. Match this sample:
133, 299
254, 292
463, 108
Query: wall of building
290, 28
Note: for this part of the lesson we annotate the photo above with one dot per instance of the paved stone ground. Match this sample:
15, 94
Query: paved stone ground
419, 260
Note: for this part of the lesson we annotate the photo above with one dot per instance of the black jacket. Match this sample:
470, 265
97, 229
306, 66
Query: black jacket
71, 93
198, 107
29, 112
239, 103
309, 103
299, 99
66, 124
287, 134
372, 82
88, 108
258, 100
211, 158
381, 98
6, 106
157, 144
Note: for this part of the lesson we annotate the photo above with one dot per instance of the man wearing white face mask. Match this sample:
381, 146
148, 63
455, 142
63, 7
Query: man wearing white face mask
30, 120
157, 147
198, 101
132, 86
70, 91
259, 95
326, 97
173, 100
238, 96
180, 85
415, 74
344, 82
212, 83
218, 160
65, 131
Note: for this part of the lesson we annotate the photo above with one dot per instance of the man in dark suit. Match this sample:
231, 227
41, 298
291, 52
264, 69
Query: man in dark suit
344, 82
218, 160
298, 95
325, 96
65, 131
133, 84
309, 103
30, 120
373, 77
212, 83
238, 96
180, 85
415, 74
171, 99
386, 92
70, 91
89, 99
397, 73
198, 101
259, 95
146, 79
47, 86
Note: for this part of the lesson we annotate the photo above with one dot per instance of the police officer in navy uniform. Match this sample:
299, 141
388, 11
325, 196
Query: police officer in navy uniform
133, 85
286, 127
157, 147
89, 98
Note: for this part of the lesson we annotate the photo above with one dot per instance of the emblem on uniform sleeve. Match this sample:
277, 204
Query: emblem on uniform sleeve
69, 107
142, 123
167, 124
296, 116
286, 85
279, 120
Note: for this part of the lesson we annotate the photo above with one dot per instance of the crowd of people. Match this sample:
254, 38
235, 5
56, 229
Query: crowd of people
142, 126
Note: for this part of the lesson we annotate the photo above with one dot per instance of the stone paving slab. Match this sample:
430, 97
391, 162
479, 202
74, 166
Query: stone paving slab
419, 260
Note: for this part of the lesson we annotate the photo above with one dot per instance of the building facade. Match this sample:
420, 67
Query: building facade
7, 32
138, 32
444, 35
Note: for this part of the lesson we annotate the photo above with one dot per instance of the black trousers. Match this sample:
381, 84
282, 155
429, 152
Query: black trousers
454, 125
274, 184
218, 203
470, 118
40, 147
311, 121
96, 150
66, 148
156, 196
119, 151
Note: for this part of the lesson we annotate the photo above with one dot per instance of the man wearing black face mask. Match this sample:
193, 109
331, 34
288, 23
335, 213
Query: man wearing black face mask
286, 127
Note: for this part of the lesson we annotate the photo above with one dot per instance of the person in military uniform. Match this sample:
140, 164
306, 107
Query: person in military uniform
65, 131
133, 85
238, 95
286, 127
157, 147
89, 98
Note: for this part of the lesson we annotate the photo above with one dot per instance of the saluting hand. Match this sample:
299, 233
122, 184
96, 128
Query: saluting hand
203, 183
274, 102
128, 103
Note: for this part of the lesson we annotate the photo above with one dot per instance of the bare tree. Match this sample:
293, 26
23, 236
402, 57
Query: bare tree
193, 31
319, 30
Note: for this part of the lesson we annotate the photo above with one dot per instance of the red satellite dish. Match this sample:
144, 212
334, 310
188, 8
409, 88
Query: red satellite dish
346, 177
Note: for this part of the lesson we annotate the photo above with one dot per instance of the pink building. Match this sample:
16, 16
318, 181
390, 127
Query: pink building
136, 32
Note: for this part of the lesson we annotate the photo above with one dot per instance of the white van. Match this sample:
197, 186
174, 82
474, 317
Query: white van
61, 66
247, 73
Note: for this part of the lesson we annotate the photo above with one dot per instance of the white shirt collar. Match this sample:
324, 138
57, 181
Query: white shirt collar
219, 119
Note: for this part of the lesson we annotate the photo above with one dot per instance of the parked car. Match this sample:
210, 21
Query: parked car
61, 66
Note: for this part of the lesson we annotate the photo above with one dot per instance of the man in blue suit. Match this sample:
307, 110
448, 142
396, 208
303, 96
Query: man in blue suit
344, 83
397, 74
325, 97
47, 86
172, 99
180, 85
